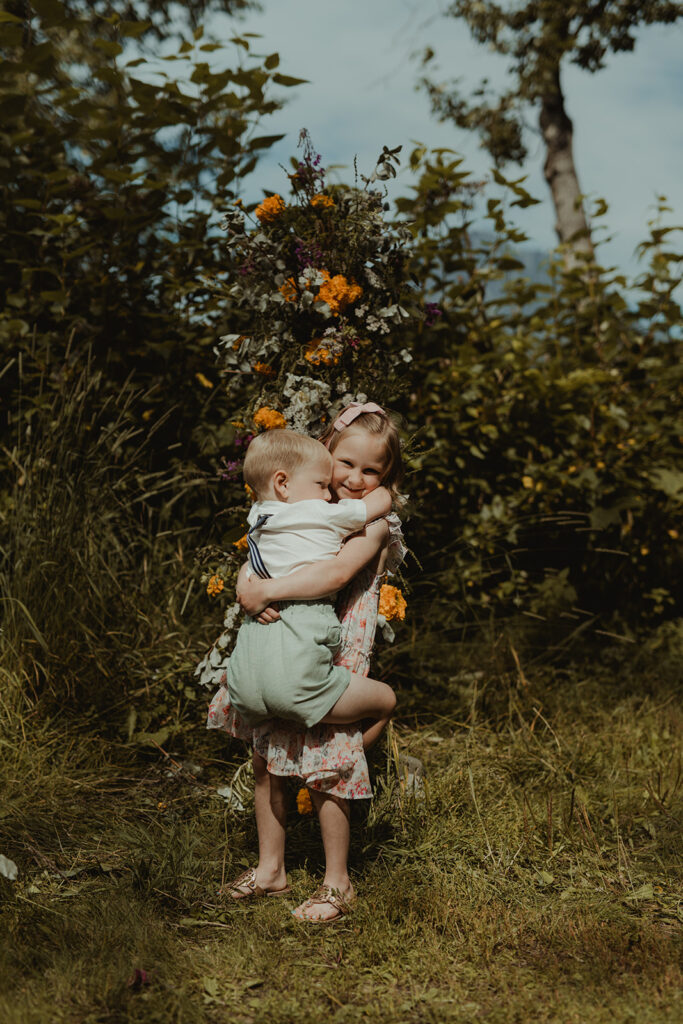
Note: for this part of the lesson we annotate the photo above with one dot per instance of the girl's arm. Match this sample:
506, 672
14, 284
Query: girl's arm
320, 579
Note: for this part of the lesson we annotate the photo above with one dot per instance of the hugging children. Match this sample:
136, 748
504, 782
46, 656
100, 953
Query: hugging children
296, 684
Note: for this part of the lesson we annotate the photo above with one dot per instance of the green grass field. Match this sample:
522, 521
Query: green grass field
536, 882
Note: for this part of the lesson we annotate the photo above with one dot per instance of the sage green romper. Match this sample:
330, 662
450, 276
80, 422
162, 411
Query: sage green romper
285, 669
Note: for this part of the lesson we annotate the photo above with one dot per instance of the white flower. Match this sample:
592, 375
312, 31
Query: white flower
308, 401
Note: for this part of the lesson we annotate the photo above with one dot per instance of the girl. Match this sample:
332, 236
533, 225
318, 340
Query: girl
364, 444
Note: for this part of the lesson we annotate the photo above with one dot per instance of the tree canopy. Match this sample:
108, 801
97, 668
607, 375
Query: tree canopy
538, 37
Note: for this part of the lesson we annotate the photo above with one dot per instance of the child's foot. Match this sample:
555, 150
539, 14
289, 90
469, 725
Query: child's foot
256, 882
326, 905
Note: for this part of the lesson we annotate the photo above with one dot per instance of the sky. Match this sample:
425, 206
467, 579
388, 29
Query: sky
362, 62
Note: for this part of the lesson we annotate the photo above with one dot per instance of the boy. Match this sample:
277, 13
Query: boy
286, 669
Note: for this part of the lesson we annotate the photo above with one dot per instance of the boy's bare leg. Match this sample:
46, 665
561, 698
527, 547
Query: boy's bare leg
363, 698
271, 816
333, 814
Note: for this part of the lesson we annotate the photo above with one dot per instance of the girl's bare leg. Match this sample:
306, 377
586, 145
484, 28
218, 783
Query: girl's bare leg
373, 730
271, 816
363, 698
333, 814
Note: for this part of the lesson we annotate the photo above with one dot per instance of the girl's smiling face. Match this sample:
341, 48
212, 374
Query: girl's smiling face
359, 464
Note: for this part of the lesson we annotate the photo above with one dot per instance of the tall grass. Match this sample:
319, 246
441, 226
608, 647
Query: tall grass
539, 880
91, 575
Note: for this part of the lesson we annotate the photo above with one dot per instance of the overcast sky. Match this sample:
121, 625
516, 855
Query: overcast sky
361, 58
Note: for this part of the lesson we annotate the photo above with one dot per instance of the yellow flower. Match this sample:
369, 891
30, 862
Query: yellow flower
304, 804
673, 534
326, 202
214, 586
265, 368
645, 550
572, 469
600, 465
147, 414
392, 603
241, 544
270, 209
269, 419
337, 292
251, 493
204, 381
528, 482
288, 290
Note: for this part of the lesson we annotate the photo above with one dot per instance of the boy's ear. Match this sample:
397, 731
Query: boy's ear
280, 481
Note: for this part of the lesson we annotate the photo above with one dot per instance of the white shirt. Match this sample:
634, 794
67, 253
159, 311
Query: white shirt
303, 532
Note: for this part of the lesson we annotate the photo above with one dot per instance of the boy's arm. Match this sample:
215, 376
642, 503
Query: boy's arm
320, 579
242, 576
378, 503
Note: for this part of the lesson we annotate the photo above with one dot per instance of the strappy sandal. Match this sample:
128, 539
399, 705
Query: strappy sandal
326, 894
247, 880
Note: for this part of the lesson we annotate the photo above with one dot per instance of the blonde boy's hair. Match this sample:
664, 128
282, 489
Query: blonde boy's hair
279, 449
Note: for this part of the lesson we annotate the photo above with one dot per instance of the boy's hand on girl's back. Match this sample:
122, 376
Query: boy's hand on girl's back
253, 595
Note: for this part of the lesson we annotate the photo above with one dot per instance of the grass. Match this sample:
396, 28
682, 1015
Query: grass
539, 880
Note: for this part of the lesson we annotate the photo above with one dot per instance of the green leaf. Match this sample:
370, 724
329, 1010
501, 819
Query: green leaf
670, 481
288, 81
107, 46
264, 141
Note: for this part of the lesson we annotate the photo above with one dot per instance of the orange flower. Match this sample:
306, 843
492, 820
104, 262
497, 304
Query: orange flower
304, 804
265, 368
214, 586
241, 544
269, 419
392, 603
326, 202
317, 353
270, 209
289, 290
337, 292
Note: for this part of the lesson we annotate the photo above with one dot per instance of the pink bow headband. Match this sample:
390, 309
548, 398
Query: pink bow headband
354, 410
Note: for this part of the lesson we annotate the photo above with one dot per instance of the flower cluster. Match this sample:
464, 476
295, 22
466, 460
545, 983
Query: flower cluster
214, 586
304, 804
270, 209
337, 292
269, 419
325, 256
392, 603
321, 201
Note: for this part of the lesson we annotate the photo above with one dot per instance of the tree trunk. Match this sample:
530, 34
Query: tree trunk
560, 173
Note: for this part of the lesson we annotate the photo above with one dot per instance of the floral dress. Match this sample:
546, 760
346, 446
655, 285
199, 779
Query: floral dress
329, 758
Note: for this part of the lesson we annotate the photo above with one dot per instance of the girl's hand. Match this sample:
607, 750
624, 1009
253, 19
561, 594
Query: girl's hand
254, 596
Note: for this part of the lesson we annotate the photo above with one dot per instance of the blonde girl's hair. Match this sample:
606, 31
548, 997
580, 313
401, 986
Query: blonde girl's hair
279, 449
378, 424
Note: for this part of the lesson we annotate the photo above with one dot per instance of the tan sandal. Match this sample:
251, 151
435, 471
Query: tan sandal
326, 894
247, 880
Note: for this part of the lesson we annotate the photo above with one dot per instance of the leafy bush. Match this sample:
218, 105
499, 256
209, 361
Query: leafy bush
549, 419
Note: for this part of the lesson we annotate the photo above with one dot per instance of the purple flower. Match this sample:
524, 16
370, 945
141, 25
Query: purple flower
229, 469
432, 313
